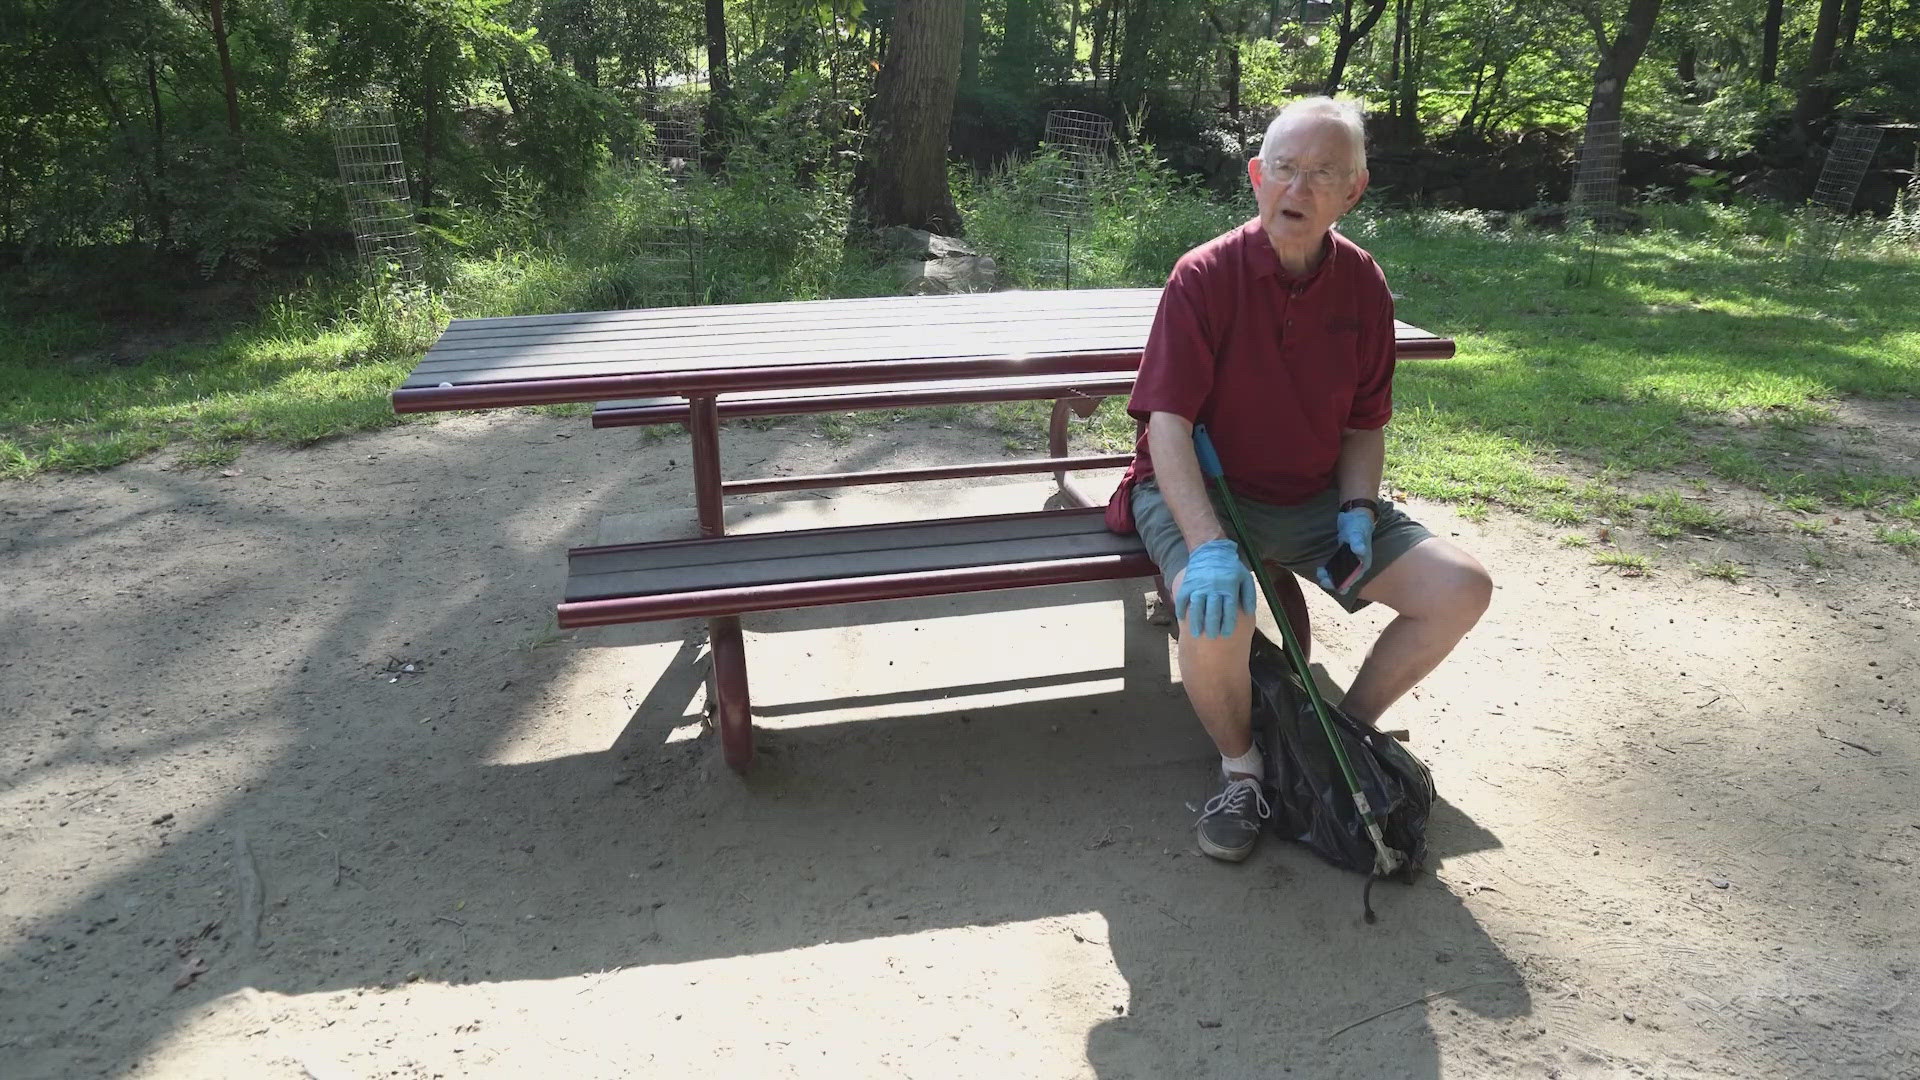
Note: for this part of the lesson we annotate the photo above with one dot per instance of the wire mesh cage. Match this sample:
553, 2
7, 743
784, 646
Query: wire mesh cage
1593, 201
1595, 195
1074, 150
1848, 160
379, 205
669, 263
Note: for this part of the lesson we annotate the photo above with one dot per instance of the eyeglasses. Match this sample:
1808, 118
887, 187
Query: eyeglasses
1323, 178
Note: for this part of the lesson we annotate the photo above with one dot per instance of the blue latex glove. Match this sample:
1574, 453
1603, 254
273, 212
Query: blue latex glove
1355, 529
1216, 588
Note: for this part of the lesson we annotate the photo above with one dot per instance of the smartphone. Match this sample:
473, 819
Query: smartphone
1343, 568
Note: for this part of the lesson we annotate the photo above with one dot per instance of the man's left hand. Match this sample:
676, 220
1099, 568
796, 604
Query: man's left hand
1355, 529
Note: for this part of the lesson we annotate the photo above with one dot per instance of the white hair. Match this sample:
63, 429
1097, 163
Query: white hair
1342, 110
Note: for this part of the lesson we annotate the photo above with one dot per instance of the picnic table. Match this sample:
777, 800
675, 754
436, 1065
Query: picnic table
696, 366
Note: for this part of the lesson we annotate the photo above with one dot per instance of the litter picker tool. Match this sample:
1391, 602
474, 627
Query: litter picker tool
1386, 860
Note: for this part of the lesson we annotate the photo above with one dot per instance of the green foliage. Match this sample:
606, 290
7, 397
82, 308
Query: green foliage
1143, 217
1275, 70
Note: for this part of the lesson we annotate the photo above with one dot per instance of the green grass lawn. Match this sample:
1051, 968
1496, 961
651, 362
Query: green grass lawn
1691, 358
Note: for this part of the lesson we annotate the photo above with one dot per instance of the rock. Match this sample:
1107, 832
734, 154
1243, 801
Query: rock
954, 274
900, 242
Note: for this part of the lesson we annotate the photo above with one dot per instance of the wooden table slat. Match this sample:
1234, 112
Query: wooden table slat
586, 563
884, 307
822, 329
718, 352
913, 552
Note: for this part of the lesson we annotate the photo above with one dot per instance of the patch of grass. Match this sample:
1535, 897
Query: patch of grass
1815, 558
214, 455
1688, 354
1813, 528
1723, 569
1629, 564
1574, 540
1802, 504
1904, 539
1863, 496
564, 410
1563, 513
1673, 514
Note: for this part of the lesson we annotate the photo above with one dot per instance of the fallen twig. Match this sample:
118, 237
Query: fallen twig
90, 794
1417, 1001
1847, 742
252, 894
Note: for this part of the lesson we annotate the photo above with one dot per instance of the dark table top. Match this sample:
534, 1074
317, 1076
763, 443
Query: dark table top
608, 355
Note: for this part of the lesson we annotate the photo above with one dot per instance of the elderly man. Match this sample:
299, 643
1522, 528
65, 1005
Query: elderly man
1278, 336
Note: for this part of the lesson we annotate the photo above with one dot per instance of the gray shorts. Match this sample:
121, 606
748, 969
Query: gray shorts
1299, 537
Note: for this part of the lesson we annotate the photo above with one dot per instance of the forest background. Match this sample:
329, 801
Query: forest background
177, 264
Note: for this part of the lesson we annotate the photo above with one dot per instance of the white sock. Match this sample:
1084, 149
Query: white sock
1249, 763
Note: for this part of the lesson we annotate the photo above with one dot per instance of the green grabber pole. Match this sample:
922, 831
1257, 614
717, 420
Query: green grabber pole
1385, 859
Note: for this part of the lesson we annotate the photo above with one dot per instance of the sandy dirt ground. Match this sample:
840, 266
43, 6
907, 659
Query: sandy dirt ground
297, 779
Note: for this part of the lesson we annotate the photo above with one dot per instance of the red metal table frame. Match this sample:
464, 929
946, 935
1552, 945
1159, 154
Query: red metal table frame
701, 353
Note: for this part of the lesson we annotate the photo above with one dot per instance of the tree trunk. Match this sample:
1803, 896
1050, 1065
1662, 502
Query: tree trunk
1814, 93
1396, 63
162, 215
1073, 38
903, 180
1469, 119
719, 89
1097, 20
429, 116
1849, 29
216, 9
1618, 59
1349, 37
1686, 68
1409, 89
1770, 41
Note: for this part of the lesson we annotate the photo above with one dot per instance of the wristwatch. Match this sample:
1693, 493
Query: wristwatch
1372, 505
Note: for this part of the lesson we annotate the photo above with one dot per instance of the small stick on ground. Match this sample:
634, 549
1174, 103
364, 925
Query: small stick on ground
1848, 742
252, 894
1417, 1001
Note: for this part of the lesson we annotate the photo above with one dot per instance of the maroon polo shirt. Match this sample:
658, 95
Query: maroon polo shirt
1275, 366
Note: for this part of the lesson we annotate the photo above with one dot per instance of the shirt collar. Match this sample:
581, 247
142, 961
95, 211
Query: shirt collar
1265, 263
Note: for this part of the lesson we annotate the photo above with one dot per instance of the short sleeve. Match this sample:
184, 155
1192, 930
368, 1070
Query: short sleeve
1176, 368
1373, 367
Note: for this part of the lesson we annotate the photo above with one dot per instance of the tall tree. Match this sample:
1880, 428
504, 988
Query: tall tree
1815, 94
1770, 41
719, 89
1618, 56
216, 16
903, 180
1350, 35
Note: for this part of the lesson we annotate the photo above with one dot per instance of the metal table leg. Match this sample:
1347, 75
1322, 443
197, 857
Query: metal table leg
727, 683
1070, 493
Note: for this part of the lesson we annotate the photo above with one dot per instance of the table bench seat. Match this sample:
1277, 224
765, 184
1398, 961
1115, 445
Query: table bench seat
896, 395
735, 575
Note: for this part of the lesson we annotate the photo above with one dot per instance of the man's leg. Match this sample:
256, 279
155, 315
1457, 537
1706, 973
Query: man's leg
1214, 672
1438, 592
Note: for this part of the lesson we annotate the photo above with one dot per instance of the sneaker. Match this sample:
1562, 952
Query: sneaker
1230, 825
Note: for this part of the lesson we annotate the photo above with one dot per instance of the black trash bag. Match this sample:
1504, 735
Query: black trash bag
1312, 803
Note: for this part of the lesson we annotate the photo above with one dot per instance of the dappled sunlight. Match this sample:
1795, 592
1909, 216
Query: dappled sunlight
825, 1010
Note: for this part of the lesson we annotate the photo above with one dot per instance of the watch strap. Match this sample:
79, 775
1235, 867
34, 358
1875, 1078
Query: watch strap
1372, 505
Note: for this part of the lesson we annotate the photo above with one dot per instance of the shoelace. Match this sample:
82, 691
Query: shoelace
1234, 799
